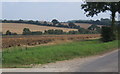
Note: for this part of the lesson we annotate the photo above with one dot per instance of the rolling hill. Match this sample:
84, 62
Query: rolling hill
18, 27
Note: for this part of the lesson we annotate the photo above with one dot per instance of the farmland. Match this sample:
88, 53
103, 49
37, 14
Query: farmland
18, 28
31, 40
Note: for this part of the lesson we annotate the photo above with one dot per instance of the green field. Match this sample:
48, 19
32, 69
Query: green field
21, 57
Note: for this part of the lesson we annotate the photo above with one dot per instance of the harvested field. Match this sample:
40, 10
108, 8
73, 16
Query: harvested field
10, 41
18, 27
83, 25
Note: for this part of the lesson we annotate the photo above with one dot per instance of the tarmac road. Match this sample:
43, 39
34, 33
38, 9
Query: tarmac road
107, 63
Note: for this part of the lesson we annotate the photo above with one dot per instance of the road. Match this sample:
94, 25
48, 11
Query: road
107, 62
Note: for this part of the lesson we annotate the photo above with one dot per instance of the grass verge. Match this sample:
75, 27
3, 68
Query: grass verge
21, 57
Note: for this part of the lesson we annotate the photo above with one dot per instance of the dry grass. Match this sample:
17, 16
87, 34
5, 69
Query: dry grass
81, 25
18, 27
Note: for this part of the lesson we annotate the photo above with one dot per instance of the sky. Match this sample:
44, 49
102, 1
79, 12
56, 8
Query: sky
46, 11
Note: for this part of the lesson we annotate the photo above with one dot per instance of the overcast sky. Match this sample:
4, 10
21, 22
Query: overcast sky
46, 11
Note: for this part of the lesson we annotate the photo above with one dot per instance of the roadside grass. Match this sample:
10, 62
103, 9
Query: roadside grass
21, 57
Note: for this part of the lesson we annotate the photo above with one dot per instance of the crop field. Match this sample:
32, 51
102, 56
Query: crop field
31, 40
18, 28
83, 25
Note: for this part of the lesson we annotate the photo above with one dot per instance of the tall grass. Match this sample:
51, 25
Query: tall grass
45, 54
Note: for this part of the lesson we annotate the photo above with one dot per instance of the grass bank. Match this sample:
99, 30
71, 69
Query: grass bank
21, 57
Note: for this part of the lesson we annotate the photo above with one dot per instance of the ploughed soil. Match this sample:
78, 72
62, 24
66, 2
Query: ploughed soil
32, 40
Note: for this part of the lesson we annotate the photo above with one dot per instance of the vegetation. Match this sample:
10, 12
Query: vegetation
55, 23
26, 31
106, 21
20, 57
10, 33
95, 28
107, 34
94, 8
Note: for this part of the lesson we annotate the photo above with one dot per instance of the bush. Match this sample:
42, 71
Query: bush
107, 34
13, 33
26, 31
84, 31
36, 33
73, 32
8, 32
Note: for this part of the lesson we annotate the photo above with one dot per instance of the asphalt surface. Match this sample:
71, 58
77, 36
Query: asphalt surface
107, 63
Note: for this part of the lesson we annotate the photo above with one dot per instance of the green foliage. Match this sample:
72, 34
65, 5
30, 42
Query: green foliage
57, 31
95, 28
107, 34
54, 21
8, 32
73, 32
71, 25
83, 31
94, 8
14, 33
102, 21
36, 33
51, 53
26, 31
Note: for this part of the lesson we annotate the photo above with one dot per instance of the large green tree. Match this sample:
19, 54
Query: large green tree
54, 21
94, 8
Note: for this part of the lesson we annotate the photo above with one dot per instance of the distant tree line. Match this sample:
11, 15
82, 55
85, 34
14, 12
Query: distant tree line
98, 22
55, 23
26, 31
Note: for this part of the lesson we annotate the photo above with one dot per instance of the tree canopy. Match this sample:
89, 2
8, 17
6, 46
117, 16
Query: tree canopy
94, 8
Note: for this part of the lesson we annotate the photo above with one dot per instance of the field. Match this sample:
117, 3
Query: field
83, 25
18, 28
10, 41
22, 57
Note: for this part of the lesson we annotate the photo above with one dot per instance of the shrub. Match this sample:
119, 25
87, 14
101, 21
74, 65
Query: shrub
8, 32
26, 31
107, 34
73, 32
36, 33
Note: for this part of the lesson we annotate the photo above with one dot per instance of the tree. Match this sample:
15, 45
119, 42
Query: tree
54, 21
83, 31
106, 34
93, 27
26, 31
94, 8
71, 25
8, 32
